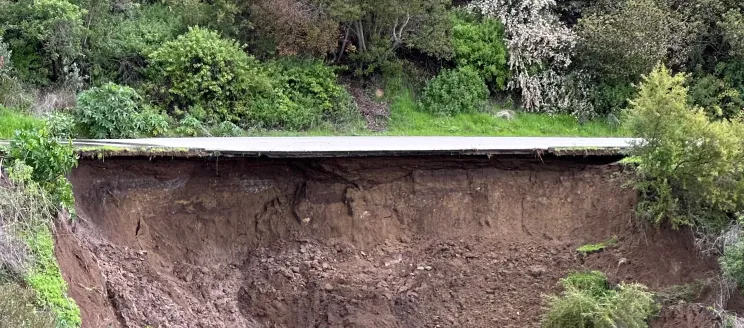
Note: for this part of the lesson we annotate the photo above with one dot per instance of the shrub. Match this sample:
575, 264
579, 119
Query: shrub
479, 43
109, 111
46, 38
227, 129
716, 97
619, 43
540, 50
17, 308
190, 126
293, 27
690, 170
588, 301
61, 125
39, 165
154, 123
51, 162
120, 43
310, 94
732, 262
201, 69
455, 91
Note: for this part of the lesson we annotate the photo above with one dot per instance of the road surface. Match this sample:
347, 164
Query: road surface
370, 146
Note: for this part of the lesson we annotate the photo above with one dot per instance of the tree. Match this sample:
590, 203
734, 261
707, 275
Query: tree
45, 37
373, 30
623, 43
293, 27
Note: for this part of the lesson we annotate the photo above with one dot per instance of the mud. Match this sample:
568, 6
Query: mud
375, 242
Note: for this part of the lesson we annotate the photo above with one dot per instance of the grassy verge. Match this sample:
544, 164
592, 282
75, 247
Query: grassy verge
10, 121
406, 120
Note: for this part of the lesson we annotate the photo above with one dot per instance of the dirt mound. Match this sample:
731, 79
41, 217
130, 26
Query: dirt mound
376, 242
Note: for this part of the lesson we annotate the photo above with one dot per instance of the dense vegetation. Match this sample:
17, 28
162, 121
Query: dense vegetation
33, 189
193, 67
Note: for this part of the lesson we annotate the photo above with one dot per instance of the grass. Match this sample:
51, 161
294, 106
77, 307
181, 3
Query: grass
406, 120
10, 121
593, 248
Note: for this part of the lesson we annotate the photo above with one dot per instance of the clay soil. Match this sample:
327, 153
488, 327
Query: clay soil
366, 242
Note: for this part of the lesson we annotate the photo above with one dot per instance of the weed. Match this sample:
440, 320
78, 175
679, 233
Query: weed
588, 301
593, 248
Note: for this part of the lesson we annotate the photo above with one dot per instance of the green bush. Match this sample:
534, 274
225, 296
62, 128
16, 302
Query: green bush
732, 262
455, 91
588, 302
227, 129
309, 95
40, 164
46, 38
61, 125
51, 161
689, 170
610, 97
201, 69
109, 111
716, 97
17, 308
154, 123
479, 43
190, 126
121, 42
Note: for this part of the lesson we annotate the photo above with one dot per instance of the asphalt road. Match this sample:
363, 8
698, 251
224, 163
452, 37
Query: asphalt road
347, 146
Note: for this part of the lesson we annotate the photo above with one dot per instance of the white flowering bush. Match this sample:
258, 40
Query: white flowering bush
540, 50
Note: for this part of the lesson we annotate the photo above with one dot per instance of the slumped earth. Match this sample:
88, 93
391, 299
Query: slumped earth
365, 242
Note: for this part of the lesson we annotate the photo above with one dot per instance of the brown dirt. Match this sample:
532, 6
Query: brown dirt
375, 242
686, 316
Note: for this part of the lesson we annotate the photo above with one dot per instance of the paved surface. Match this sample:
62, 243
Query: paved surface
353, 146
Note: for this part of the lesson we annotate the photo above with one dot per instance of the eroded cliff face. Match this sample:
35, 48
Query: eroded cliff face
356, 242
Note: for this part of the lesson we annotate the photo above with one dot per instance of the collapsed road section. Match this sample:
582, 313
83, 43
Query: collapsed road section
382, 239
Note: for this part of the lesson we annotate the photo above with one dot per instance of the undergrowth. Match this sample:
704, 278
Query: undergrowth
17, 308
588, 301
33, 188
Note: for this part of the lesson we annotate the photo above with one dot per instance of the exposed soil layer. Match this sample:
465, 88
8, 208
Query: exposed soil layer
373, 242
687, 316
